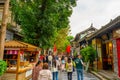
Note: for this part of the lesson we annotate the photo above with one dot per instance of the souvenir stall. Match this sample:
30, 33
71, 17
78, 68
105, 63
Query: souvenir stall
20, 58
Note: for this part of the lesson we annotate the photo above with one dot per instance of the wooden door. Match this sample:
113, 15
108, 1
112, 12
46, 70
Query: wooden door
104, 57
118, 52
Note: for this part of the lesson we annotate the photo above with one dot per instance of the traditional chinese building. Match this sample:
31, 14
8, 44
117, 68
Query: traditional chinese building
107, 43
80, 39
12, 28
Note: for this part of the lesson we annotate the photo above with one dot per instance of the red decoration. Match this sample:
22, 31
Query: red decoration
12, 52
22, 52
36, 52
54, 48
68, 49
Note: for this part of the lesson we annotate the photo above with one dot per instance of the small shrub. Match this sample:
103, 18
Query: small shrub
3, 67
89, 55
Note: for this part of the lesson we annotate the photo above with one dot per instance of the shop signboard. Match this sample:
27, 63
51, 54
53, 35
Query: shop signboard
116, 33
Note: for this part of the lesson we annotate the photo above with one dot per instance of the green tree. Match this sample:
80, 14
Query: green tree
89, 54
69, 38
61, 39
40, 20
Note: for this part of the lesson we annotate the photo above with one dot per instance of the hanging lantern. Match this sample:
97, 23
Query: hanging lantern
54, 48
68, 49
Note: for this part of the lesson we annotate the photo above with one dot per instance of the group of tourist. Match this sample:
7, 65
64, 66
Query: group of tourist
49, 66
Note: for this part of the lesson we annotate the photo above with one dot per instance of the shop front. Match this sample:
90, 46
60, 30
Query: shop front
96, 43
107, 54
107, 51
20, 58
104, 48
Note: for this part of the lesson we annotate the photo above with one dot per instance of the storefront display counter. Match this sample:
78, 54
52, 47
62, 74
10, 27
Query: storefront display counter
20, 58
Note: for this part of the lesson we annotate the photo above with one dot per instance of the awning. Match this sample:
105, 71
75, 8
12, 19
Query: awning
20, 45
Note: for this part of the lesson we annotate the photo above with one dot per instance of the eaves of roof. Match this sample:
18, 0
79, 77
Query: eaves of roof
2, 1
17, 33
21, 45
87, 30
82, 39
77, 35
85, 37
104, 29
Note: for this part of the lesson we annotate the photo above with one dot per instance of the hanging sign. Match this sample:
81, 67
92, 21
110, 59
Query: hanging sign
12, 52
116, 33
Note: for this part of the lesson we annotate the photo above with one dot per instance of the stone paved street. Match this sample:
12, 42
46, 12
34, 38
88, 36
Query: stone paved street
87, 76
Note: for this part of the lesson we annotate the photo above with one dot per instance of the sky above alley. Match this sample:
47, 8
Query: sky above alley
98, 12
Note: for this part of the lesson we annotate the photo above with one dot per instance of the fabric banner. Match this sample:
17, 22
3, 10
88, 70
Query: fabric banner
54, 48
68, 49
12, 52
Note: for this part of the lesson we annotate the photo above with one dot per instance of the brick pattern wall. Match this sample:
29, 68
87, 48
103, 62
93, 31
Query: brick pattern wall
9, 35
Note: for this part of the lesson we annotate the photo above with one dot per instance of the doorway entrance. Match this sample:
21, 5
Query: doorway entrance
107, 56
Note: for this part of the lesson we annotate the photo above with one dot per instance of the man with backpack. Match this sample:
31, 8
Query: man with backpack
79, 67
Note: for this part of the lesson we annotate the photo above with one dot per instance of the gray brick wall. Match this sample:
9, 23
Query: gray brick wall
9, 35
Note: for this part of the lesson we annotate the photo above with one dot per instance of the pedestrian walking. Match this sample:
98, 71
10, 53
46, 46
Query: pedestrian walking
45, 60
79, 67
69, 68
36, 70
45, 73
63, 63
50, 60
55, 66
41, 57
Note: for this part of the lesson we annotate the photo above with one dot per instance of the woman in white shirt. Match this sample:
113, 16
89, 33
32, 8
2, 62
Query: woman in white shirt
45, 73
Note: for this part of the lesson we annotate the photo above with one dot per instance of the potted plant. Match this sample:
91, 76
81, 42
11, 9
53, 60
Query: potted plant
89, 54
3, 67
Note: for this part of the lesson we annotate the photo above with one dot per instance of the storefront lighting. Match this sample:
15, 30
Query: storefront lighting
110, 44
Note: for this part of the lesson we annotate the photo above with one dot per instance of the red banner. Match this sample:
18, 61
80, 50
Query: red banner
68, 49
12, 52
54, 48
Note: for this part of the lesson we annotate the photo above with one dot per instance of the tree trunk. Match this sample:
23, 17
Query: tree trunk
3, 28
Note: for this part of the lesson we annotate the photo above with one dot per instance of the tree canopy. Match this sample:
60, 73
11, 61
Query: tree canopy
40, 20
62, 39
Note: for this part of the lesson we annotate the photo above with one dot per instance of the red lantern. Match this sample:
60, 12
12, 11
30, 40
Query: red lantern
54, 48
68, 49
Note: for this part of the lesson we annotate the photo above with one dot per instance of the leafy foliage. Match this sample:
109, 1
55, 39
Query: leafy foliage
3, 67
69, 38
88, 53
62, 39
41, 20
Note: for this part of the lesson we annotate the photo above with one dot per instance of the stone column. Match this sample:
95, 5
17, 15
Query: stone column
115, 58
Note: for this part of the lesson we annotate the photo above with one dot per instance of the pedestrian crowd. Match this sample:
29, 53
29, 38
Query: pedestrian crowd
49, 67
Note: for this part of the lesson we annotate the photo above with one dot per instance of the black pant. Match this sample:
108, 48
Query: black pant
69, 75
